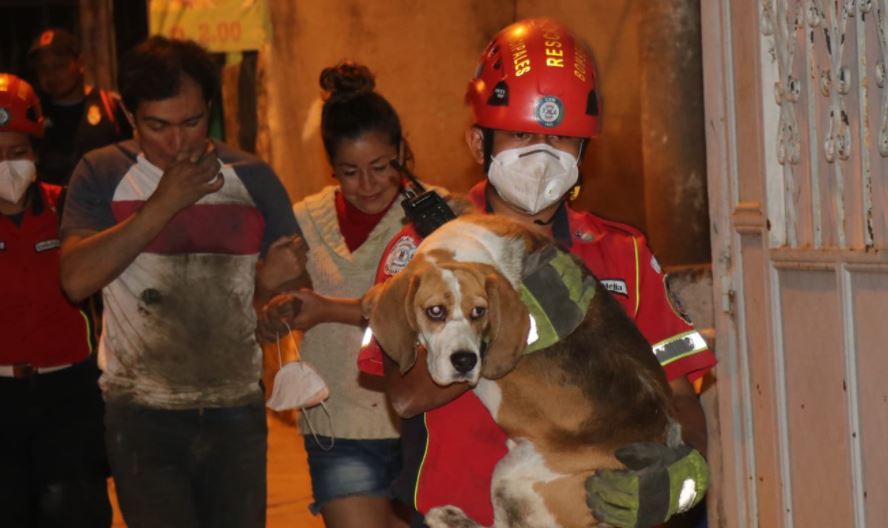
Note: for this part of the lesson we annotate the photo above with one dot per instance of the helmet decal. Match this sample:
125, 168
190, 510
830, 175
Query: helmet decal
549, 111
4, 116
499, 96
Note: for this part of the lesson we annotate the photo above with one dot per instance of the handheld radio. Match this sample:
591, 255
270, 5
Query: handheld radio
426, 209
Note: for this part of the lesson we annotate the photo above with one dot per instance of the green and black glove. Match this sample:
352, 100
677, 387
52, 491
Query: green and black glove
659, 482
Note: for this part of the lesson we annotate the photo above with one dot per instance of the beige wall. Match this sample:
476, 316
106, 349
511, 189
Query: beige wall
423, 54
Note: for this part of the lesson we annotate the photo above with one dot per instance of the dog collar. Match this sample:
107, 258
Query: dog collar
557, 290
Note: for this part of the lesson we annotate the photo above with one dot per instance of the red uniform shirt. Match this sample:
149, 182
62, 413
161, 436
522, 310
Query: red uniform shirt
462, 442
38, 325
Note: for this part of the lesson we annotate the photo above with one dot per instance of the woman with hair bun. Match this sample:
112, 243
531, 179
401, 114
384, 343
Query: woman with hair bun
347, 227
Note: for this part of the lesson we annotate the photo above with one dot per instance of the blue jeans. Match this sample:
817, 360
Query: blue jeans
352, 468
188, 468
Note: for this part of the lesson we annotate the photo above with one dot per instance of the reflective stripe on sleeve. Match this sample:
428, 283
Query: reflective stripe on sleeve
89, 331
679, 346
637, 277
368, 336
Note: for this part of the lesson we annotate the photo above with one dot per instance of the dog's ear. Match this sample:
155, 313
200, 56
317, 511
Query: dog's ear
389, 309
509, 325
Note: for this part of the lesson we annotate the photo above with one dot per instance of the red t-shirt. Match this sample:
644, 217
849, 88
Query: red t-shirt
38, 324
463, 444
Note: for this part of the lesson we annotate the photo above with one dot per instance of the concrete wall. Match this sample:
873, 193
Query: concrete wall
423, 54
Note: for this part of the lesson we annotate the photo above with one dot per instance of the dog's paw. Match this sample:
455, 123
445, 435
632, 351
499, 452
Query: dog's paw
449, 517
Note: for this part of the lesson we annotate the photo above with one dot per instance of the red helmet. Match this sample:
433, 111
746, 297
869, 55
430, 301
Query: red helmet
19, 107
536, 76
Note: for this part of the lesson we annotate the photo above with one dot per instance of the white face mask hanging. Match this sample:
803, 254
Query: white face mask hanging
533, 177
297, 385
15, 178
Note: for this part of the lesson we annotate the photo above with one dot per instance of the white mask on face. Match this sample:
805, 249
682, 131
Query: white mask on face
533, 177
15, 178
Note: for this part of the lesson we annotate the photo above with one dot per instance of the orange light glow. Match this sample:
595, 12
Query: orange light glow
519, 31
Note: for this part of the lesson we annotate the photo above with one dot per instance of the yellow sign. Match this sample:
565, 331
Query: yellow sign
218, 25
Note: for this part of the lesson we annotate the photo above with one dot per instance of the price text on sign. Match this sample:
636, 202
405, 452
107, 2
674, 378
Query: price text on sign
210, 35
219, 25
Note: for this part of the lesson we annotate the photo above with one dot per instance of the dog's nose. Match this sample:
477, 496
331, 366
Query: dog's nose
463, 361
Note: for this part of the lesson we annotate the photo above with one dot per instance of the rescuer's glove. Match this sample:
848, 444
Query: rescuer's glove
658, 482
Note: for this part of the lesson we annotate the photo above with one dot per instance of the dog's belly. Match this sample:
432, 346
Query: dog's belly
527, 491
514, 487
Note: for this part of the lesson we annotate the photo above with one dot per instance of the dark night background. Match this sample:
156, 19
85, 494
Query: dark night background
22, 20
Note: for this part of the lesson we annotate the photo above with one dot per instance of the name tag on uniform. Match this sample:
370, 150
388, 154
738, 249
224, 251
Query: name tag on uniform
616, 286
47, 245
2, 245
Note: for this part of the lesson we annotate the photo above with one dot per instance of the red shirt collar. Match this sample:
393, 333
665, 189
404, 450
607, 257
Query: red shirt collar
354, 224
582, 227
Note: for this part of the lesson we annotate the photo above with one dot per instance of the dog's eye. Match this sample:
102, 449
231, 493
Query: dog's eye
436, 312
478, 312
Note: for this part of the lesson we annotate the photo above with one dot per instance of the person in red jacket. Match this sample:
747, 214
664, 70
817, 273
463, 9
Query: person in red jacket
52, 451
535, 103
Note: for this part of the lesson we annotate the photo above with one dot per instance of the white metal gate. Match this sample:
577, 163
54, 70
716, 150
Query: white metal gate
797, 147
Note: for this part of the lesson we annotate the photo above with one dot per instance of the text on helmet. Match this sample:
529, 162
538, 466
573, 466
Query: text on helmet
519, 57
554, 53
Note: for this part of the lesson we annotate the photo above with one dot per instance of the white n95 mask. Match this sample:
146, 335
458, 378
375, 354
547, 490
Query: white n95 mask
297, 385
15, 178
533, 177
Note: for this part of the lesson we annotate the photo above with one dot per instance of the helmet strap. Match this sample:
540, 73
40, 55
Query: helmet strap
554, 214
487, 134
575, 190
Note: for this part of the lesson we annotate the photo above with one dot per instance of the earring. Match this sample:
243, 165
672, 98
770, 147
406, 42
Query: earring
574, 192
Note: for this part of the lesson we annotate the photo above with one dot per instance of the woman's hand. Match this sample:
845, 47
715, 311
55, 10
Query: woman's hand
275, 319
316, 308
302, 310
313, 309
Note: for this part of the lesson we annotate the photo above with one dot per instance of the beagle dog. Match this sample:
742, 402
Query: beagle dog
565, 407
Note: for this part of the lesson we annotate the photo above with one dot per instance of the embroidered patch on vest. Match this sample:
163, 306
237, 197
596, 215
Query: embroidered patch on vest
401, 255
615, 286
47, 245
